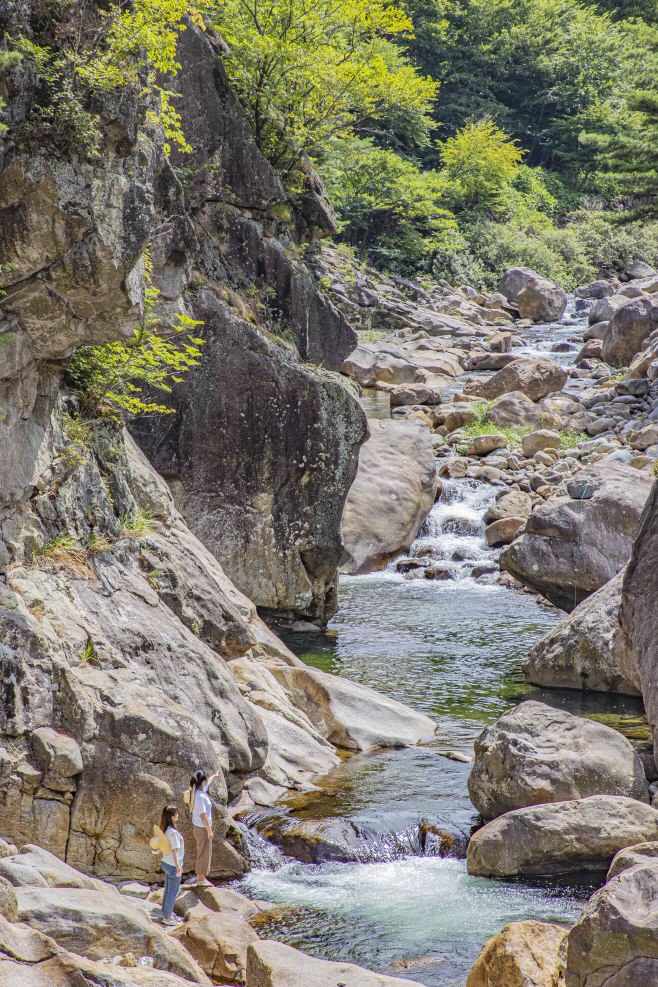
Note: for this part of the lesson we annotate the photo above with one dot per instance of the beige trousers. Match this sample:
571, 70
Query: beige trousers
203, 851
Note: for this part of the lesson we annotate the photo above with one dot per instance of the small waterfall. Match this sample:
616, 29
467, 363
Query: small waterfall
453, 531
423, 839
262, 854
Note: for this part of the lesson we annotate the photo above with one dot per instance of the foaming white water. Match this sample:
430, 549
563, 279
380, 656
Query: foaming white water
454, 528
421, 901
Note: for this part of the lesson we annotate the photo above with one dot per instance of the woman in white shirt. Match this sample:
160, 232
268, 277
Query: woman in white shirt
201, 808
172, 863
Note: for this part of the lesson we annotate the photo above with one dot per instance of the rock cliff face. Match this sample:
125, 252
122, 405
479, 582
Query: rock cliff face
262, 450
127, 656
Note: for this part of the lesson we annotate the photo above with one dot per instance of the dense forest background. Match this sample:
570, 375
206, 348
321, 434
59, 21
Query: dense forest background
456, 138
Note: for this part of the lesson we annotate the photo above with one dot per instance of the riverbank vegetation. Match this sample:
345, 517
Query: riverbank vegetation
461, 137
456, 138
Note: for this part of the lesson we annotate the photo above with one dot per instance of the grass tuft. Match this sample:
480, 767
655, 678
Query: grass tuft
63, 550
138, 523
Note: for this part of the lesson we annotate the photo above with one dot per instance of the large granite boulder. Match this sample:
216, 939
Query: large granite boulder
581, 651
260, 455
577, 541
512, 503
629, 326
615, 940
273, 964
535, 754
541, 300
522, 954
391, 496
514, 280
385, 363
630, 856
519, 411
218, 943
534, 378
559, 837
637, 648
605, 308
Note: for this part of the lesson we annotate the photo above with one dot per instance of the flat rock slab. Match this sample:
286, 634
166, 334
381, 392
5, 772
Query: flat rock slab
351, 715
560, 837
536, 754
34, 866
69, 970
272, 964
96, 924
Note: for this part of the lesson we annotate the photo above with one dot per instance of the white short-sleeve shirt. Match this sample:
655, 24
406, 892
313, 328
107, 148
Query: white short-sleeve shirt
202, 803
177, 843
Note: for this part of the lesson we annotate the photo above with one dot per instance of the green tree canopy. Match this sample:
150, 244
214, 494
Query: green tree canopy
536, 67
307, 70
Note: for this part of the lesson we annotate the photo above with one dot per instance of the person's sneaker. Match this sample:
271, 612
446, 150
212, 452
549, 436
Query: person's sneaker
170, 921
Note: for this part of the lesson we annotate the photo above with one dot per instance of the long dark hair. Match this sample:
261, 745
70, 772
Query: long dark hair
168, 814
198, 778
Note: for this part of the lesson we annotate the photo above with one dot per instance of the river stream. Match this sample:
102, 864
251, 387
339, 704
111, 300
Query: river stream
453, 650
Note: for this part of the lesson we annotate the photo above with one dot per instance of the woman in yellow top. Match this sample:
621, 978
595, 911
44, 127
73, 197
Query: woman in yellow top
172, 862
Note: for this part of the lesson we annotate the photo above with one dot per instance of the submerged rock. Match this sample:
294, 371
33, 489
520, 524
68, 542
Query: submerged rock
391, 496
522, 954
536, 754
560, 837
